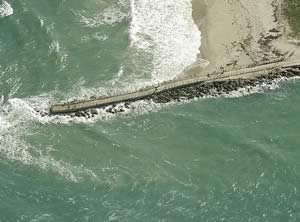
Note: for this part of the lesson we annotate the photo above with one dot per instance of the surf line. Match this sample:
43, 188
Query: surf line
219, 80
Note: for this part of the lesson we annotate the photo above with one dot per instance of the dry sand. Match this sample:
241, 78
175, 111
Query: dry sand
238, 33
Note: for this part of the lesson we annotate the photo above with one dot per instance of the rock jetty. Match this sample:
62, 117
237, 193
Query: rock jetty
214, 84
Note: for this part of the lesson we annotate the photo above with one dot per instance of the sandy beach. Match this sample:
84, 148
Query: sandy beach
237, 33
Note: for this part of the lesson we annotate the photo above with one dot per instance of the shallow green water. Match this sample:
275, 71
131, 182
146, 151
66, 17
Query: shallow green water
222, 159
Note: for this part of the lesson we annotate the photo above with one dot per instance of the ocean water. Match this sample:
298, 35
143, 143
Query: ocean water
232, 158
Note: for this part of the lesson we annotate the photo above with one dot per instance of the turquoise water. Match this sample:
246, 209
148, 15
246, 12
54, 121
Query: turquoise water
220, 159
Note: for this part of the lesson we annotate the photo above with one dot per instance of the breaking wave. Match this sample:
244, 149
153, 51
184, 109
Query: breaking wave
163, 34
110, 16
18, 116
161, 31
5, 9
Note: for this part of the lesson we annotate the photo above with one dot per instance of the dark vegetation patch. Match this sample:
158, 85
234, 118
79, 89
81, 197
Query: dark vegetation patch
292, 11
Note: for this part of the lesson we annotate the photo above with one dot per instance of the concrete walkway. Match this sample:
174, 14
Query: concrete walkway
245, 73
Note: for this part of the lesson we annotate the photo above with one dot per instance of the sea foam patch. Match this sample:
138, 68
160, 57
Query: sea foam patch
165, 30
16, 120
116, 13
17, 116
5, 9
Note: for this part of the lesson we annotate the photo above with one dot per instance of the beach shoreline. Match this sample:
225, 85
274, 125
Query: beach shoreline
240, 33
237, 36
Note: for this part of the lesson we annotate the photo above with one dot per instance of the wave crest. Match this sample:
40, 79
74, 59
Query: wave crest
5, 9
165, 30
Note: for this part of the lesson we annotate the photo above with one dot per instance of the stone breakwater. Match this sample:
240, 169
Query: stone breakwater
221, 87
202, 89
244, 73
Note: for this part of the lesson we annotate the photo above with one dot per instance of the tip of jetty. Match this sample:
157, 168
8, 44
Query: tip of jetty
190, 87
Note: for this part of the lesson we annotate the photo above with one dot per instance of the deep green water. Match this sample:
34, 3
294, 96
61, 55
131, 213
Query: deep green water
221, 159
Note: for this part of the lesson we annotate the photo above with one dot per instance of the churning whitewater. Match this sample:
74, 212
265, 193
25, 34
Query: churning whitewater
183, 160
165, 32
162, 36
163, 41
5, 9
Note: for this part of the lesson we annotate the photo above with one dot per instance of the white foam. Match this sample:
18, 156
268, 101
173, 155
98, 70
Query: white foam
166, 30
55, 48
16, 119
100, 36
18, 115
164, 40
111, 16
41, 22
260, 88
97, 36
14, 83
5, 9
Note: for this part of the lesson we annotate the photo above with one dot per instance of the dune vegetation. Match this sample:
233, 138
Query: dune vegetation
292, 10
